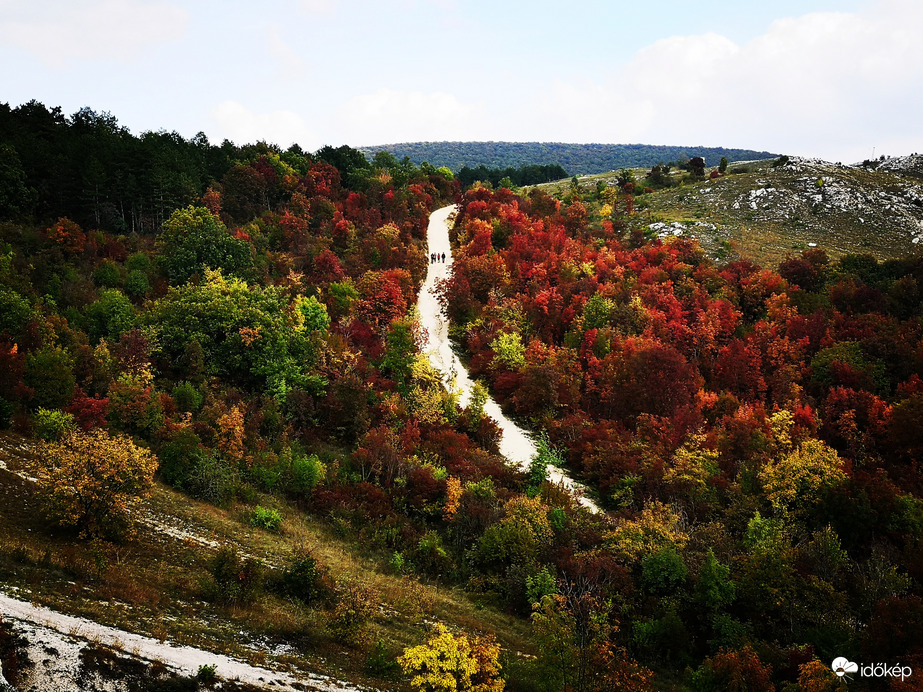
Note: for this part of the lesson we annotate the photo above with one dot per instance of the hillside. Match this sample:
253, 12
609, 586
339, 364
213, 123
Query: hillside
765, 212
580, 159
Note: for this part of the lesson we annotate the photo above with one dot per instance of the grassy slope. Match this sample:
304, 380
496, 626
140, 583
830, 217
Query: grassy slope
153, 585
766, 213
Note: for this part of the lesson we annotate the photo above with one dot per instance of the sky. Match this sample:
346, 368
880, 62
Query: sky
838, 80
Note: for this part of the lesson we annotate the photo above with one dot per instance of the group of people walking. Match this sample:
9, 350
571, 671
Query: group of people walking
436, 257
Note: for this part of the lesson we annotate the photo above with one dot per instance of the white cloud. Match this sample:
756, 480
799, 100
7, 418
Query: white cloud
319, 6
387, 116
821, 84
291, 65
282, 127
60, 32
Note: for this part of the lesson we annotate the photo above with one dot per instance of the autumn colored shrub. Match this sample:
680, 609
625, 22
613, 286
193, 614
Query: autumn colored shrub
354, 606
92, 481
733, 671
450, 663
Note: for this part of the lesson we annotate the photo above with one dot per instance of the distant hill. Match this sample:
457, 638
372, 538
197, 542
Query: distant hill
576, 159
767, 212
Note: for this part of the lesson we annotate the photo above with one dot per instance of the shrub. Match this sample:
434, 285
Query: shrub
211, 479
107, 275
397, 563
354, 606
431, 556
187, 397
51, 424
381, 662
139, 262
92, 480
448, 662
50, 374
233, 580
306, 580
179, 456
137, 284
539, 585
268, 519
307, 473
206, 674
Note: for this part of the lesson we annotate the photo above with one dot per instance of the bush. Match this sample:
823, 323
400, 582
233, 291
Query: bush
179, 457
307, 474
397, 563
354, 606
306, 580
92, 480
137, 284
381, 662
50, 374
107, 275
51, 425
187, 397
211, 479
268, 519
207, 675
233, 580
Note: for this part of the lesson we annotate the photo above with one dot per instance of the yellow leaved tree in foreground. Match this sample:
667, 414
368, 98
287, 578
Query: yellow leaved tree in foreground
453, 663
91, 480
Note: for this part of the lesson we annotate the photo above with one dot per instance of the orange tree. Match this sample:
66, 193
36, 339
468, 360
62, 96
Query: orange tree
91, 480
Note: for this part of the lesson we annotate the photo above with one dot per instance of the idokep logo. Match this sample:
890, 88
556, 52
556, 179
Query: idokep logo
843, 667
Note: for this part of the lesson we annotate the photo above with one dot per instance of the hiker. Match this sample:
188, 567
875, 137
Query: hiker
443, 258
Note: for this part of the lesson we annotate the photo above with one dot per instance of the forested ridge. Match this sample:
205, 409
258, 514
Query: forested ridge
239, 325
576, 159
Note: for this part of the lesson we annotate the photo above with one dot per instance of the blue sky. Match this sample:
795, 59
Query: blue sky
813, 78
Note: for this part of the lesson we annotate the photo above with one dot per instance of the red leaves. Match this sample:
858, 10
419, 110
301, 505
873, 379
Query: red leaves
67, 235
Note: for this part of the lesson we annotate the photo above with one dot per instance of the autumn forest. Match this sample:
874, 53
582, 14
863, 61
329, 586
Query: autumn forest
237, 326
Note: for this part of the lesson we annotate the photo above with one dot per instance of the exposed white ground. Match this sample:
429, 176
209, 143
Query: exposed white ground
515, 445
55, 642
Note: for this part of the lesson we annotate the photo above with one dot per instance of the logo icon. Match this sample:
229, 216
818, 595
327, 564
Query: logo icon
841, 666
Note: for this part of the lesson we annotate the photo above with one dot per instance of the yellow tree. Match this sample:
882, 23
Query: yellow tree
799, 480
92, 480
453, 663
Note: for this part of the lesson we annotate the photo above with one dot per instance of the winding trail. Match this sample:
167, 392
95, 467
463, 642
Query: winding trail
516, 444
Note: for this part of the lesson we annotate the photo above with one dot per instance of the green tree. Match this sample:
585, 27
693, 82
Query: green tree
257, 336
109, 316
50, 374
715, 590
194, 240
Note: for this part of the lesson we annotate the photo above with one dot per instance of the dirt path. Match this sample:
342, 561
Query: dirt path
515, 445
49, 630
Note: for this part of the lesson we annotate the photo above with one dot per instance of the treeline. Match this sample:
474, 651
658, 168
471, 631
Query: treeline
578, 159
524, 175
90, 169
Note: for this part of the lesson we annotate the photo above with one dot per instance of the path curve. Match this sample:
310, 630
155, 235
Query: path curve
516, 444
183, 659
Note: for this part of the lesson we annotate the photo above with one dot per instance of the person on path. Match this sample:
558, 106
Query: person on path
443, 258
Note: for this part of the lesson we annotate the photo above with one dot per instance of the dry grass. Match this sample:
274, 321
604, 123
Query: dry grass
152, 584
